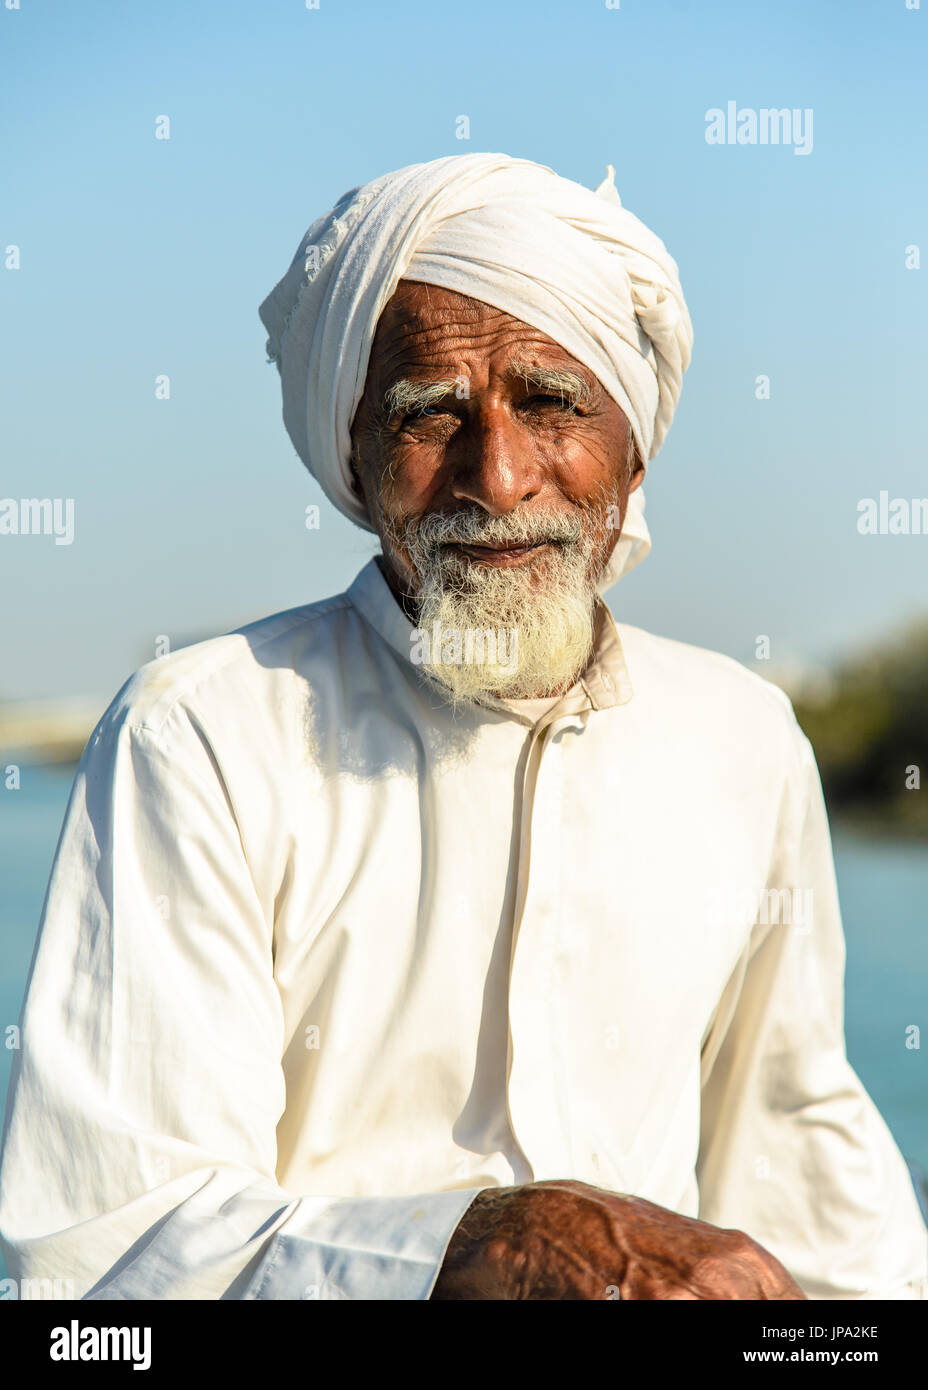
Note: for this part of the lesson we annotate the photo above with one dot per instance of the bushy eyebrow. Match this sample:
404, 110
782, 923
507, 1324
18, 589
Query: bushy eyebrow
570, 386
407, 396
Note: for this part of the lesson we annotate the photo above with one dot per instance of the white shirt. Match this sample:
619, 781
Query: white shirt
319, 960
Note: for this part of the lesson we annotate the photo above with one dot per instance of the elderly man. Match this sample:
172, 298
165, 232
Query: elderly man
445, 938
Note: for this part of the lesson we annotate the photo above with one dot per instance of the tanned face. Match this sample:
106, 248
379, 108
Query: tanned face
465, 406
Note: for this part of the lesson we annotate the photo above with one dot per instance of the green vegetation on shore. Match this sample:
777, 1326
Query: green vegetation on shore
869, 729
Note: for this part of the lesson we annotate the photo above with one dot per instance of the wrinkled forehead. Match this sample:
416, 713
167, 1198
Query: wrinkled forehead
435, 323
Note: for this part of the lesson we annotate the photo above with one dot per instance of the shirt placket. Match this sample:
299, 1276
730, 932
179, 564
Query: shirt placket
538, 1092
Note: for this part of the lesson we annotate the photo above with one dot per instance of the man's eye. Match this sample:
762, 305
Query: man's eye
424, 413
559, 402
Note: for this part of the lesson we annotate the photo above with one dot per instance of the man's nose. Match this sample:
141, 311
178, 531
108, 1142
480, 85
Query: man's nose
496, 463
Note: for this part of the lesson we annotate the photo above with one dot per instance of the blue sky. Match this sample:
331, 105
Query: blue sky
141, 256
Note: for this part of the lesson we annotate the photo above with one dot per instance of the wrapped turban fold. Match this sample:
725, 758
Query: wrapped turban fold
514, 234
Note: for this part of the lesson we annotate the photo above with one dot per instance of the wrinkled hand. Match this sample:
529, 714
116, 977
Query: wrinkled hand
569, 1240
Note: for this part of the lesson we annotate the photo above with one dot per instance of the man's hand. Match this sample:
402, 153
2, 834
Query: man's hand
568, 1240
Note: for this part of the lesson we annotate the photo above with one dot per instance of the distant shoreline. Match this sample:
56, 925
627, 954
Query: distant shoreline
47, 731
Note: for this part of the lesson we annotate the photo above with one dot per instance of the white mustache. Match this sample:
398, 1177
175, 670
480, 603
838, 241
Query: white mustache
472, 526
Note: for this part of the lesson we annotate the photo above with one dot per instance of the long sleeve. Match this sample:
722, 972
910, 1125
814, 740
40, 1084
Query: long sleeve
793, 1150
140, 1140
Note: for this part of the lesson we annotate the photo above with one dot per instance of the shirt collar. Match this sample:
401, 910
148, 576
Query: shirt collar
604, 683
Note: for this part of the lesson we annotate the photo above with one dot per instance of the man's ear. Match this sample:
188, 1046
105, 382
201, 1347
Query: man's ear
637, 478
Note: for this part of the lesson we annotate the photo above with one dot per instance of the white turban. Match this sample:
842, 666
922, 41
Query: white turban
569, 261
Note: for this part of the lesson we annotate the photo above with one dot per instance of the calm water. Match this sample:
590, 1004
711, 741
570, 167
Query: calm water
884, 895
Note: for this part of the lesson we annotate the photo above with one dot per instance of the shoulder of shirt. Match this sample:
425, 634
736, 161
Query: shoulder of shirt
159, 688
700, 672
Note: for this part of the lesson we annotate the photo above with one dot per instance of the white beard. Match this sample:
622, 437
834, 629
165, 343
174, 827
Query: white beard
540, 613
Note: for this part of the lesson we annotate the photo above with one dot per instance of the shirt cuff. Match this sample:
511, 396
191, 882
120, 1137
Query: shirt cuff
361, 1248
